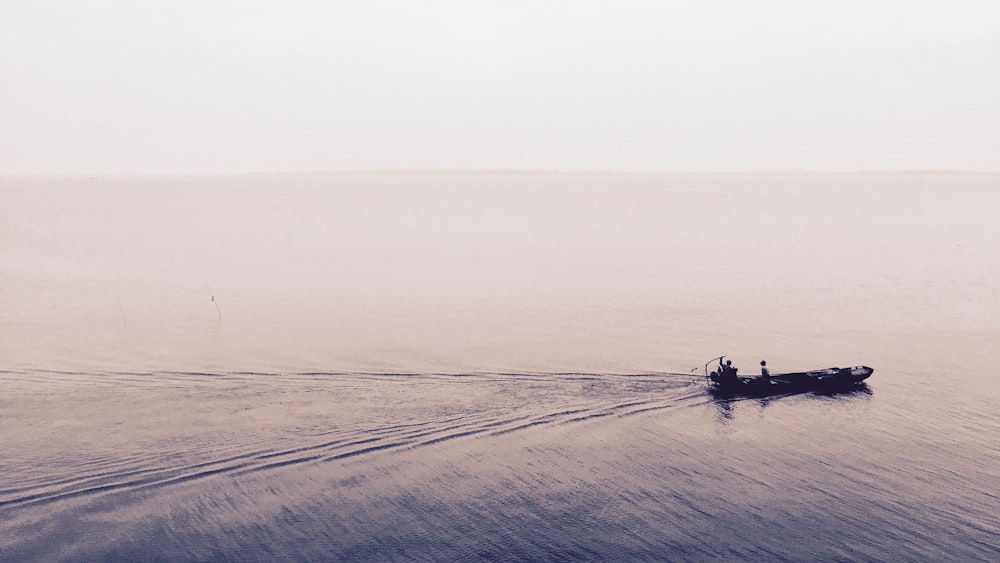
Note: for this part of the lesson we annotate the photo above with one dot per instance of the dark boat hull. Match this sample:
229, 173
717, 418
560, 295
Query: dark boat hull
830, 379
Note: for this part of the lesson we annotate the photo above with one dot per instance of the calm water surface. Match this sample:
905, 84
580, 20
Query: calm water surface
476, 366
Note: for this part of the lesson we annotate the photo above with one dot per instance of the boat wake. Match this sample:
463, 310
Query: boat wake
156, 436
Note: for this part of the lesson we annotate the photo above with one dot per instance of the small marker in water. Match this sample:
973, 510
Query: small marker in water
217, 307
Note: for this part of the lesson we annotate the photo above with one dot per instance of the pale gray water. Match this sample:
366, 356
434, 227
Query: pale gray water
441, 366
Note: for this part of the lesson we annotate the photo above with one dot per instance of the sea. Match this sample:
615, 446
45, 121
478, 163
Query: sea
465, 366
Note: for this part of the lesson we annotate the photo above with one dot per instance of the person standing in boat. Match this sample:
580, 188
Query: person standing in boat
765, 376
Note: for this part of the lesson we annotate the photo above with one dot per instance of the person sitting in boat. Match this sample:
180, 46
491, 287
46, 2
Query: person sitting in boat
729, 372
765, 376
719, 375
726, 374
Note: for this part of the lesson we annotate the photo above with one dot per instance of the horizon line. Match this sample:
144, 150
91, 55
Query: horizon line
510, 172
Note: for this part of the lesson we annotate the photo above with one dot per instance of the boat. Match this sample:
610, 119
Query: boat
829, 379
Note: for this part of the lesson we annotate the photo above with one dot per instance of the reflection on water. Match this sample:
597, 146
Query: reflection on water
859, 389
728, 407
725, 409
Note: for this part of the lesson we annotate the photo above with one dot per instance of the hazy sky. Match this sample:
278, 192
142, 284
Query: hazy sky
178, 86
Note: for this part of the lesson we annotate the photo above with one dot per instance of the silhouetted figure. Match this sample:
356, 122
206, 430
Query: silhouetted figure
729, 373
765, 376
726, 374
